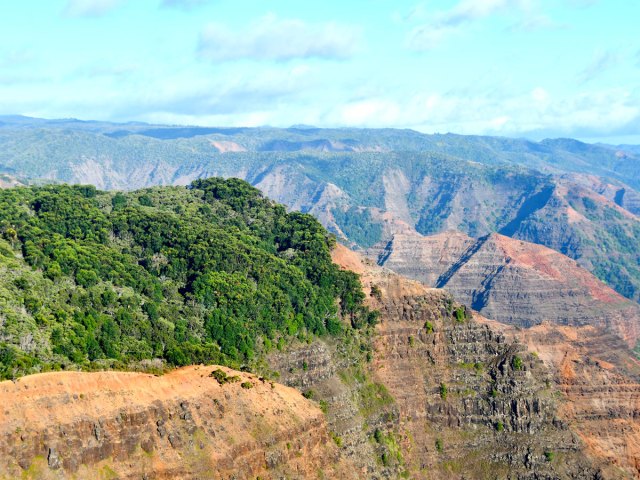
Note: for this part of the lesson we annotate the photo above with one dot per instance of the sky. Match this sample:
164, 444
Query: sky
524, 68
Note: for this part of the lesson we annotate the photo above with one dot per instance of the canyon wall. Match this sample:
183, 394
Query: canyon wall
512, 281
184, 424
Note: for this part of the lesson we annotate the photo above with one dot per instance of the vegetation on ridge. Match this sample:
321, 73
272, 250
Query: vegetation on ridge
210, 273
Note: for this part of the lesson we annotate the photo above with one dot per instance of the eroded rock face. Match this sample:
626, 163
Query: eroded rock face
575, 395
473, 404
600, 380
182, 425
512, 281
443, 396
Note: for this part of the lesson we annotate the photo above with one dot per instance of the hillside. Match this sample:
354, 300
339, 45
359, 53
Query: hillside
184, 424
210, 273
366, 185
513, 282
186, 145
7, 181
434, 389
393, 378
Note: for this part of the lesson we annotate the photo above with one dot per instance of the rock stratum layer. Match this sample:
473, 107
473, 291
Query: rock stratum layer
441, 394
471, 402
512, 281
600, 381
181, 425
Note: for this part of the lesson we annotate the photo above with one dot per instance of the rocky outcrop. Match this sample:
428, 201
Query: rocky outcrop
600, 380
616, 192
8, 181
442, 396
512, 281
182, 425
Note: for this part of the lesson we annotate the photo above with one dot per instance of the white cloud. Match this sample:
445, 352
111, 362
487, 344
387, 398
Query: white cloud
540, 96
536, 113
90, 8
183, 4
272, 38
601, 62
468, 10
438, 26
443, 24
428, 37
535, 22
366, 111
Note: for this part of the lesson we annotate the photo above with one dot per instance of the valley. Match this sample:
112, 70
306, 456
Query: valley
333, 240
440, 386
491, 316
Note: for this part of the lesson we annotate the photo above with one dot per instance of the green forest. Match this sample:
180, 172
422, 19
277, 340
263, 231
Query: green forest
209, 273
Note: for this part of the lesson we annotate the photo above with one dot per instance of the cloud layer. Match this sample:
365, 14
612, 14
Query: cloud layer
283, 63
90, 8
526, 15
183, 4
277, 39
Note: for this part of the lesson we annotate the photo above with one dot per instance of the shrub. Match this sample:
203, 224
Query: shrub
220, 376
439, 445
516, 363
223, 378
376, 292
443, 391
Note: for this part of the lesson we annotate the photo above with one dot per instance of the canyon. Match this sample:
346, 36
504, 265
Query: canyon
442, 393
365, 185
512, 281
535, 378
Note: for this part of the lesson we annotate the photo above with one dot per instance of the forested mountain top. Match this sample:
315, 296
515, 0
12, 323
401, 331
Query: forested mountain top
213, 272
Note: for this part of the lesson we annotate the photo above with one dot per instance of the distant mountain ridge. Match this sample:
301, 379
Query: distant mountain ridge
366, 185
552, 155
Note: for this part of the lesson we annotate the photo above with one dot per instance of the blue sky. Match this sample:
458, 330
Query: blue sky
534, 68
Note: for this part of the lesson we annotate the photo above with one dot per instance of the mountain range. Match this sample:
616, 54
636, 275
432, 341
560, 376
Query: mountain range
366, 185
534, 378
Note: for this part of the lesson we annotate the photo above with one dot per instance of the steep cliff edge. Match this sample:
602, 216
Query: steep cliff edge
512, 281
185, 424
442, 395
430, 392
600, 380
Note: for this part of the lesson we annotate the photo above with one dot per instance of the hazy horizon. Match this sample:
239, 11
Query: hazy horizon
514, 68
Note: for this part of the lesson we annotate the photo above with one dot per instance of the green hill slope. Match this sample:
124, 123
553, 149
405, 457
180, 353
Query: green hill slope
210, 273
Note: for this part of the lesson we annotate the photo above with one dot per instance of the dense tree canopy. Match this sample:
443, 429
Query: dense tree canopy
207, 273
